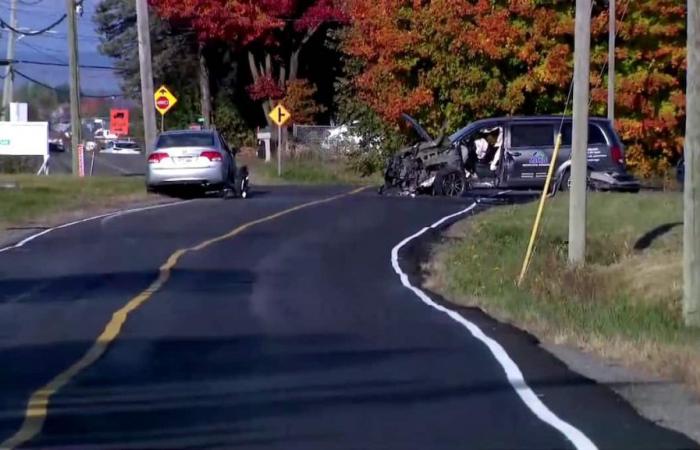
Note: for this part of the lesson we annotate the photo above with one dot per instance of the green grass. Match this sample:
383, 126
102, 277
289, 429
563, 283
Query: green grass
627, 298
37, 197
308, 171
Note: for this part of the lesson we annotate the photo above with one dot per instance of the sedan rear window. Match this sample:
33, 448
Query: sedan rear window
186, 140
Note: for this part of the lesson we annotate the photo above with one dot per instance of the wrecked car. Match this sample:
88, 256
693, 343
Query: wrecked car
506, 152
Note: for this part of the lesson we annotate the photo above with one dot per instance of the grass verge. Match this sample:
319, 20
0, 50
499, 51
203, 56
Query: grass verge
624, 305
307, 171
39, 197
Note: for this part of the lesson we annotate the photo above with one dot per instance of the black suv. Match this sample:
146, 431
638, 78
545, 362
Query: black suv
508, 152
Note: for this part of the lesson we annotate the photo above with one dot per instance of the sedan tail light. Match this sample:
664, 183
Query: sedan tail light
157, 157
211, 155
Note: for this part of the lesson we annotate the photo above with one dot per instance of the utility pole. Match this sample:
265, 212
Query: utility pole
691, 232
147, 102
612, 34
76, 127
579, 149
8, 86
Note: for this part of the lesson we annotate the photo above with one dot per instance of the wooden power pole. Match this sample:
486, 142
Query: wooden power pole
691, 234
76, 126
147, 102
612, 34
579, 150
8, 87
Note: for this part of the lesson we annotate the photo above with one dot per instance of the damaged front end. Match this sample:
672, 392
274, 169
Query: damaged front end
433, 167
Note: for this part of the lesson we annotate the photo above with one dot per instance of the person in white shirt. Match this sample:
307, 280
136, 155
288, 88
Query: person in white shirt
487, 150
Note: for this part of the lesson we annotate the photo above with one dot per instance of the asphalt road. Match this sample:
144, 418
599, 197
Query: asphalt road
291, 333
106, 164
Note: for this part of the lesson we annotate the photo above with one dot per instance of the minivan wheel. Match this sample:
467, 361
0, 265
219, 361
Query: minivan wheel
565, 184
450, 183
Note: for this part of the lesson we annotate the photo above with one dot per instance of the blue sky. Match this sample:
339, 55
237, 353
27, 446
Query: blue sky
36, 14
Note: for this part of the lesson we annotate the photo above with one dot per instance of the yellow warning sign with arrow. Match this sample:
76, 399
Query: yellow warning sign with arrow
280, 115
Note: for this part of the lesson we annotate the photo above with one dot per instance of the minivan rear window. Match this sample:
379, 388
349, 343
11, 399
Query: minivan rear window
532, 135
595, 135
186, 140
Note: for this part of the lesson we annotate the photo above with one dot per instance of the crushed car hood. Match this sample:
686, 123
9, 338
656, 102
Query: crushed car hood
416, 126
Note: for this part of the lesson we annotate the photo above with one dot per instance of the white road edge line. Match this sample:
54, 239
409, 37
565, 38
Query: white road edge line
122, 212
512, 371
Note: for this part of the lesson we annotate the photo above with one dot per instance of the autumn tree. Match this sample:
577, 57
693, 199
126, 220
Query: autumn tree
272, 32
453, 61
650, 95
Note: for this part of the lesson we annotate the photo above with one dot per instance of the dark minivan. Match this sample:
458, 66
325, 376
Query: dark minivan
523, 148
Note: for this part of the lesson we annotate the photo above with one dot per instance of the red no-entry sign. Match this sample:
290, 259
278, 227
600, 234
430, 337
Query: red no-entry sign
164, 100
162, 103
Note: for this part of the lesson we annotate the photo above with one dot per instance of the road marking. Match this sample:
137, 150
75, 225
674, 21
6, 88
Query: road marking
28, 239
37, 406
512, 371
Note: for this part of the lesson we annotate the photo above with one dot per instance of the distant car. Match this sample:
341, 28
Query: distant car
342, 138
121, 147
57, 142
200, 159
680, 173
102, 134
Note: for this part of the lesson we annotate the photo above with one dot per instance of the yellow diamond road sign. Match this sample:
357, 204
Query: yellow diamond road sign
164, 100
280, 115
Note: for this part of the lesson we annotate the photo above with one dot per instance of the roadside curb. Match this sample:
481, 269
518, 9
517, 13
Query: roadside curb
667, 404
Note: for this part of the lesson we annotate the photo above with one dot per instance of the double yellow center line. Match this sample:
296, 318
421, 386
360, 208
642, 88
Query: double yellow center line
38, 404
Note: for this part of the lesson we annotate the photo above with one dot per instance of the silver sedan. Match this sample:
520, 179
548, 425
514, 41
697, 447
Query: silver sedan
196, 159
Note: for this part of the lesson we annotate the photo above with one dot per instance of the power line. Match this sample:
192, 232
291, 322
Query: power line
4, 24
61, 64
55, 89
42, 50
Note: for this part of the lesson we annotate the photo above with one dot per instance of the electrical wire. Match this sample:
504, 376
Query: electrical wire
4, 24
61, 64
47, 86
41, 50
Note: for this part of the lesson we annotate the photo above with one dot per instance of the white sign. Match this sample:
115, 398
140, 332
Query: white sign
25, 139
18, 112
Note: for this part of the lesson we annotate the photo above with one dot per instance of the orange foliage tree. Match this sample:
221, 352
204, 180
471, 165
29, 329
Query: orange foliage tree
452, 61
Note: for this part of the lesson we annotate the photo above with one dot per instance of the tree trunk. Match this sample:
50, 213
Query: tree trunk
204, 88
258, 71
294, 64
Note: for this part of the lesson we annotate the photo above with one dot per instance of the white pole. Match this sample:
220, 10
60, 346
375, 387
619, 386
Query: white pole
144, 38
579, 157
611, 61
279, 150
7, 91
691, 233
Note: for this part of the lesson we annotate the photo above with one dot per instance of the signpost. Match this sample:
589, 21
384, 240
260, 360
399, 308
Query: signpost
81, 160
279, 116
164, 101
